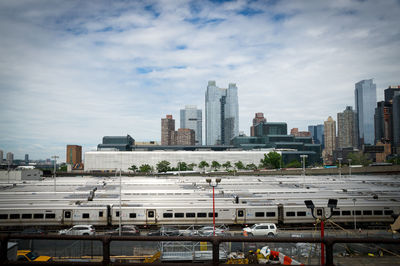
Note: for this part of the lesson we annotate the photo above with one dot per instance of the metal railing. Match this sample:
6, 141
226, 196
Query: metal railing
215, 241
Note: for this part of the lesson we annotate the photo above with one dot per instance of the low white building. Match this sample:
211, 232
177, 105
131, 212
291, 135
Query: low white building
21, 174
111, 160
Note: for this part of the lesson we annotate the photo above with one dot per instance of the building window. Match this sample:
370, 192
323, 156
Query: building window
210, 215
85, 215
14, 216
167, 215
301, 213
26, 216
117, 213
260, 214
270, 214
3, 216
388, 212
101, 214
38, 216
132, 215
179, 215
190, 215
345, 213
50, 215
201, 215
367, 212
290, 214
378, 212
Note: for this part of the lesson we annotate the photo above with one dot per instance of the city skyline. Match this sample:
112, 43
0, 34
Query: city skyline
73, 72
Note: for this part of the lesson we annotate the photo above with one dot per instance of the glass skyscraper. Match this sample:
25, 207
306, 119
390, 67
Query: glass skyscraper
222, 114
365, 102
317, 133
191, 118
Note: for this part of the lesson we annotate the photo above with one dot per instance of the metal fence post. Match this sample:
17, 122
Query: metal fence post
3, 249
106, 250
215, 244
329, 252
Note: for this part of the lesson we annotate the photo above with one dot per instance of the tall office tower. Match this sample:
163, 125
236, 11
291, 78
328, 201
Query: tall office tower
317, 133
1, 156
347, 136
330, 138
396, 122
295, 132
185, 136
26, 158
10, 158
191, 118
168, 134
222, 114
74, 154
365, 102
258, 118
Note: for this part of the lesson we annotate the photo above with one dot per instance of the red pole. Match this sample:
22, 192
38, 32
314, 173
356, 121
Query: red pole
322, 244
214, 210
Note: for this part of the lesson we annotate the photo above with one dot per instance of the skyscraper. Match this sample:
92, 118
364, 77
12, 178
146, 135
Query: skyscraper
258, 118
317, 133
222, 114
330, 139
26, 158
396, 122
10, 158
365, 102
347, 136
185, 136
1, 156
74, 154
168, 135
191, 118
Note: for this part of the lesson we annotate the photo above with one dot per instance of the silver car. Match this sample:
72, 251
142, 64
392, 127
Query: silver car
78, 230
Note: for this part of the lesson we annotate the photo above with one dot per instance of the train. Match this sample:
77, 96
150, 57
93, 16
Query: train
190, 213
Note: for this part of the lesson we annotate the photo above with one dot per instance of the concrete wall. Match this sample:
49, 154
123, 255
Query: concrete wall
25, 174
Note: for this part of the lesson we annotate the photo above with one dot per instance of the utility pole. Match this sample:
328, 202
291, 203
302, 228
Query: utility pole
55, 166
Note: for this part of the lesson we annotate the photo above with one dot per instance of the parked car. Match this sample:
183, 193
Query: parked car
78, 230
267, 229
164, 232
209, 231
33, 231
125, 230
27, 255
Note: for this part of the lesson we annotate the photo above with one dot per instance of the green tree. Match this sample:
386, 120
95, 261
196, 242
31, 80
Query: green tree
63, 168
216, 165
191, 166
395, 160
359, 158
271, 160
227, 165
163, 166
145, 168
203, 165
239, 165
251, 166
182, 166
133, 168
294, 164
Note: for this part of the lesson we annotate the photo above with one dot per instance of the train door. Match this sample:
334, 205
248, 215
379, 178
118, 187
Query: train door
151, 216
240, 216
280, 214
66, 217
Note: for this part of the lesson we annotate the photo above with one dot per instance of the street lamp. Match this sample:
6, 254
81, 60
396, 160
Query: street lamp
332, 203
303, 157
340, 168
55, 164
120, 208
354, 214
213, 185
349, 160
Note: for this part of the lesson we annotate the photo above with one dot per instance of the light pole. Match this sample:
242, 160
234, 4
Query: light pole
340, 168
349, 166
332, 203
55, 165
120, 196
213, 185
303, 157
354, 214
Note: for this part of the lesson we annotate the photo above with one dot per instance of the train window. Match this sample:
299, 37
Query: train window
117, 213
367, 212
260, 214
388, 212
84, 215
357, 212
210, 214
132, 215
50, 215
101, 214
67, 214
14, 216
240, 213
167, 215
270, 214
378, 212
150, 214
179, 215
3, 216
201, 214
336, 213
290, 214
26, 216
301, 213
190, 215
38, 216
346, 212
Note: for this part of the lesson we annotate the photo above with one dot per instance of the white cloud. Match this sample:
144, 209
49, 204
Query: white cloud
71, 73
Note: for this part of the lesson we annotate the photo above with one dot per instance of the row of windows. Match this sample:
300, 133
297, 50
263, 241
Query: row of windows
364, 212
28, 216
189, 215
265, 214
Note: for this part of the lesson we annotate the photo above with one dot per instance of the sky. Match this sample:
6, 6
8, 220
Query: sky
72, 72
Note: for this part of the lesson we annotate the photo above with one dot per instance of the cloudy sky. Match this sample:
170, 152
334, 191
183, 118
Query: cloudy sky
72, 72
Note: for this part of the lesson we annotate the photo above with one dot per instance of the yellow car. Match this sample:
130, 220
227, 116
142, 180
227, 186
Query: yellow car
28, 255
